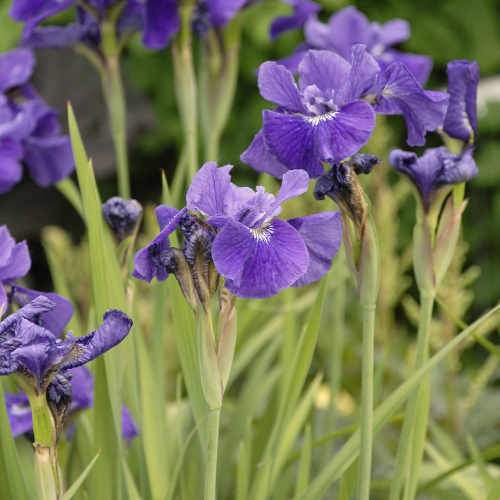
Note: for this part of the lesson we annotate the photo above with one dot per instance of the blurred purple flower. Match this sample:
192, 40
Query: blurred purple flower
29, 129
35, 352
319, 120
302, 11
257, 253
122, 216
436, 168
81, 387
349, 27
461, 117
158, 20
15, 262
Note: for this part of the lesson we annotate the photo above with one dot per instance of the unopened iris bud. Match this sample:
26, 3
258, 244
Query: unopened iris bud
122, 216
363, 163
342, 186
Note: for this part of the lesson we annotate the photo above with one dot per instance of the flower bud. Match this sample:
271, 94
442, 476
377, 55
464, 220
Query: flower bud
122, 216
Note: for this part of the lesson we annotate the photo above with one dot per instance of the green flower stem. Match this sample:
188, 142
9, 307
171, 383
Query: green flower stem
418, 408
47, 468
368, 288
186, 87
115, 101
412, 438
213, 421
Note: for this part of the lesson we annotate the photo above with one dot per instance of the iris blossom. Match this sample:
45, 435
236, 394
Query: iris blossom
436, 168
81, 387
349, 27
302, 11
159, 20
330, 113
30, 132
257, 253
40, 356
15, 262
461, 116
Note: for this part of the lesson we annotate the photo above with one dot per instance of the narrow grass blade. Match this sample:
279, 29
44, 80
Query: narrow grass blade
348, 453
304, 463
73, 489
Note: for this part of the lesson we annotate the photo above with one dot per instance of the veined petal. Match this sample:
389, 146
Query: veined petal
260, 158
4, 301
400, 93
345, 133
293, 184
276, 84
419, 66
10, 164
461, 116
393, 32
259, 262
290, 138
208, 190
115, 327
323, 68
322, 235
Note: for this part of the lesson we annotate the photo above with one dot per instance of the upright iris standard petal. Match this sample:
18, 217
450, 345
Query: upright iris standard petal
461, 116
276, 84
15, 260
115, 327
11, 171
322, 235
209, 189
436, 168
398, 92
324, 69
222, 11
418, 65
259, 263
302, 10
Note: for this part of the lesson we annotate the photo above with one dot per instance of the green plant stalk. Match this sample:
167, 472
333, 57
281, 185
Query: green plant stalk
44, 431
368, 291
69, 190
115, 101
412, 438
186, 88
213, 422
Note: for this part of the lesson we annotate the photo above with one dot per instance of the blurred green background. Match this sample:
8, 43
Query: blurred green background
445, 30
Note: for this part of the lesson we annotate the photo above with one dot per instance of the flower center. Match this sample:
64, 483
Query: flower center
263, 233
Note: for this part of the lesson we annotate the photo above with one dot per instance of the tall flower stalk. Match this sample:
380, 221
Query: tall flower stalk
360, 238
186, 86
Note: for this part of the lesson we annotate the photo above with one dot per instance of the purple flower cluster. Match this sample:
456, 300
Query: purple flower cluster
41, 355
347, 28
81, 386
159, 20
330, 113
439, 167
30, 132
257, 253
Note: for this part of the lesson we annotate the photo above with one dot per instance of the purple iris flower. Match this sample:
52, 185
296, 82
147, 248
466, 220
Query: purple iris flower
33, 351
461, 117
15, 262
330, 114
85, 28
302, 11
257, 253
81, 387
349, 27
122, 216
30, 132
436, 168
158, 20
